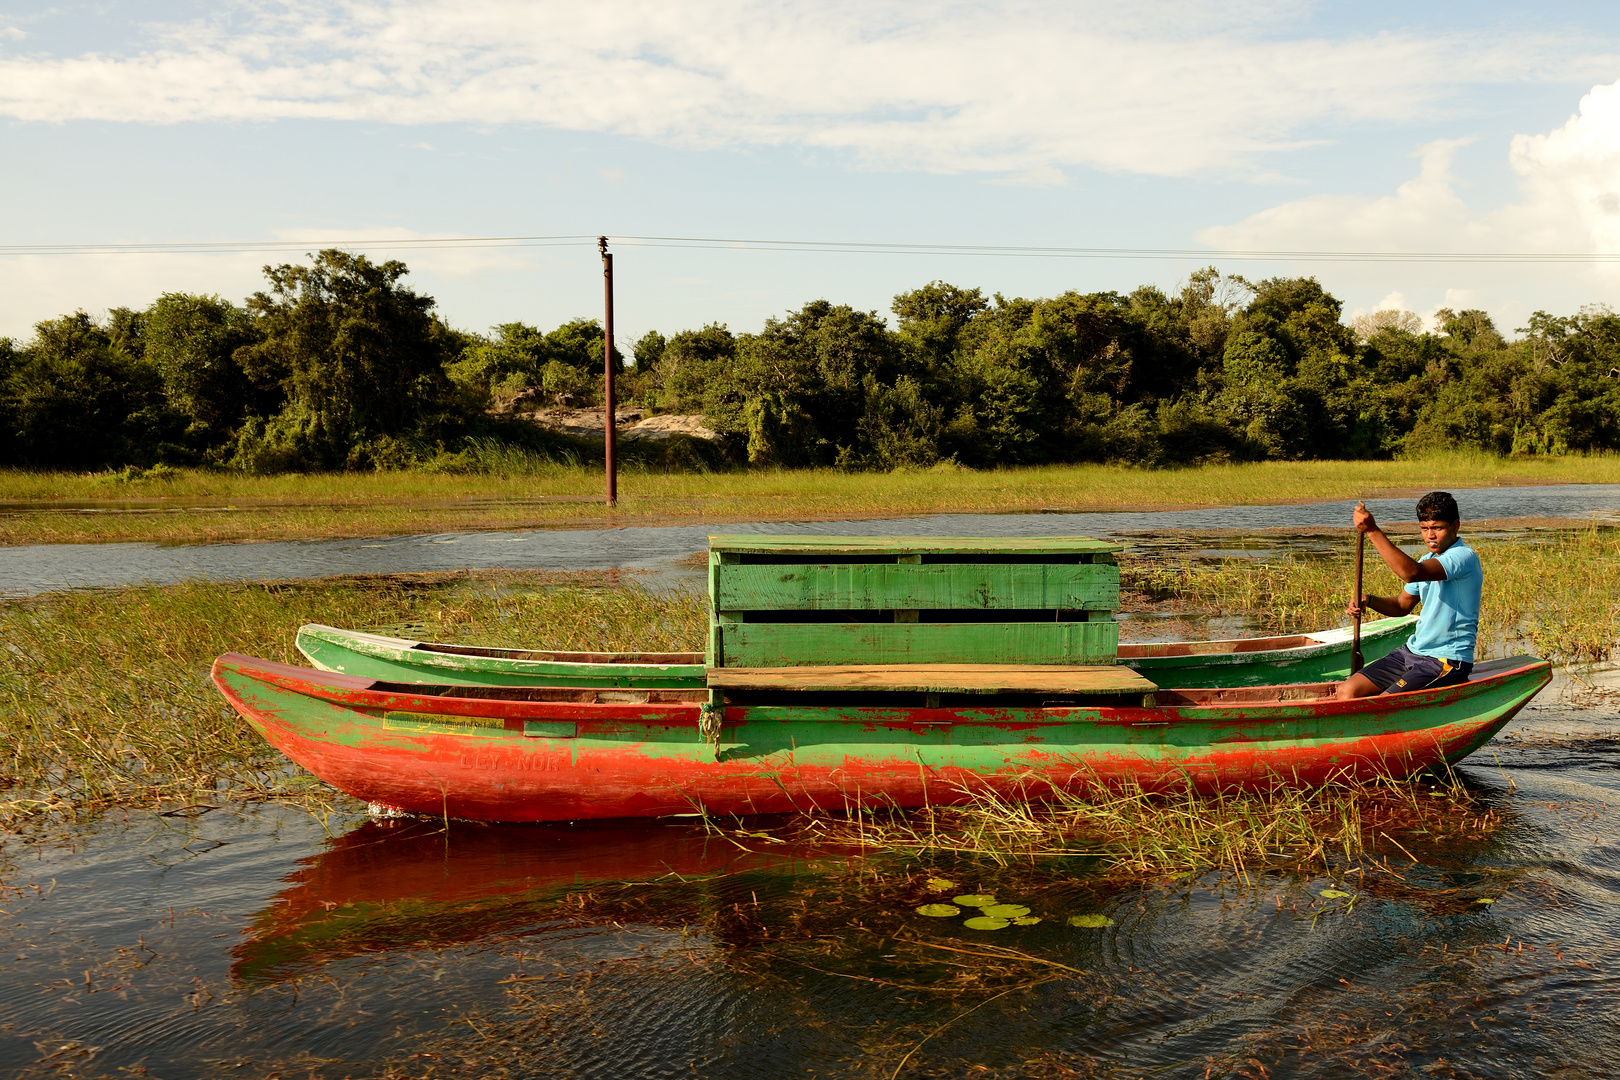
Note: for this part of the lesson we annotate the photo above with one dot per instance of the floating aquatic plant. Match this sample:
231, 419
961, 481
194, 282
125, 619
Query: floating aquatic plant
978, 900
1006, 911
985, 922
939, 911
1090, 920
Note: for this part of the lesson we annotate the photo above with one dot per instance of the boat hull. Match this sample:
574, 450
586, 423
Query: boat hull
1311, 658
496, 759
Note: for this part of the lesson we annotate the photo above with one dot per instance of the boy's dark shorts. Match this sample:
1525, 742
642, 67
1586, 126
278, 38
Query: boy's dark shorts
1404, 670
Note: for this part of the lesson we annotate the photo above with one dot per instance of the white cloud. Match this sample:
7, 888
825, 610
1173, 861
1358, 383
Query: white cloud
1568, 202
1572, 179
1395, 301
1017, 86
98, 282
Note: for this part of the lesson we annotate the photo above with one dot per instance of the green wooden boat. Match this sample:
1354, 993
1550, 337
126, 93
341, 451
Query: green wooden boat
1318, 657
785, 740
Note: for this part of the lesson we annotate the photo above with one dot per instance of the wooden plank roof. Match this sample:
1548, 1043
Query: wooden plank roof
938, 679
777, 544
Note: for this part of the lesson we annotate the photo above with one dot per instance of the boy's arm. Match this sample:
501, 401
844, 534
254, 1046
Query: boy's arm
1404, 566
1400, 604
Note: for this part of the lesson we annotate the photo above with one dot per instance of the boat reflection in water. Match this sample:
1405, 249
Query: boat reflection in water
408, 883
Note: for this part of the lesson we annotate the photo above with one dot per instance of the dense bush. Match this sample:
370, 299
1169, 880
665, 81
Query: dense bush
341, 365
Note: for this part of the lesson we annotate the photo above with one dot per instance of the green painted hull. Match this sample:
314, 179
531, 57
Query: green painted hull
1320, 657
552, 755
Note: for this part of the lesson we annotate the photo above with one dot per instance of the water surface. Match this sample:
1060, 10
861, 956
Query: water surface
26, 571
262, 940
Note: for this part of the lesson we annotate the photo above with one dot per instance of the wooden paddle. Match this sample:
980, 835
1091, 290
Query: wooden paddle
1355, 633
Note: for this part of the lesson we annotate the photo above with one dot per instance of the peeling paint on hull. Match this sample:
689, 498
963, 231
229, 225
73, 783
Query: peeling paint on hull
428, 753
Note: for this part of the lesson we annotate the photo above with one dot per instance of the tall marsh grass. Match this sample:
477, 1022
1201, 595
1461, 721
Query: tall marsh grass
1555, 593
1135, 832
105, 696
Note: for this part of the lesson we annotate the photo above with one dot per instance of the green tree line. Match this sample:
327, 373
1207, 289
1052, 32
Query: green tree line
340, 365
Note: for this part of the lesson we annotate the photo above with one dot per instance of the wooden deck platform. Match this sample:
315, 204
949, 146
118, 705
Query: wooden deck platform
937, 679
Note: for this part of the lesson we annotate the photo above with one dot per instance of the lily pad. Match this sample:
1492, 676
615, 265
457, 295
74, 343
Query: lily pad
1026, 920
1484, 900
974, 900
939, 884
1006, 911
985, 922
1090, 920
939, 911
1333, 894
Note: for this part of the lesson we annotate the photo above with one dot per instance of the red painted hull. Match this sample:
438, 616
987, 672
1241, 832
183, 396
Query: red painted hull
644, 760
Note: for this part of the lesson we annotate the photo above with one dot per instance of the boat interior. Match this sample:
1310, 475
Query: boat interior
563, 657
578, 695
1127, 650
943, 698
1208, 648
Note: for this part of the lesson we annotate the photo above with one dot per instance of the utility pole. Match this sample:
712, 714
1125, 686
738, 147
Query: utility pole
609, 434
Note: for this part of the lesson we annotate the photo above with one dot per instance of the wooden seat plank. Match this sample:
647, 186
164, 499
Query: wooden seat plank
937, 679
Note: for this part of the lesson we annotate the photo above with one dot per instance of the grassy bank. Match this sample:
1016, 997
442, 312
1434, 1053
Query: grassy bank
194, 506
105, 697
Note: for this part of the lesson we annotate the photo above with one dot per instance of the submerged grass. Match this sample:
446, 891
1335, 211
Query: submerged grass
194, 505
1131, 832
105, 696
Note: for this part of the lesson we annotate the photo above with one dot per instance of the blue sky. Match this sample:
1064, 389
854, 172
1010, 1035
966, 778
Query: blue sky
1159, 124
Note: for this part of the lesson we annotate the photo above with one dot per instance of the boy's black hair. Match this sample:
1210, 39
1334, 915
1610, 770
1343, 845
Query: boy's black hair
1439, 506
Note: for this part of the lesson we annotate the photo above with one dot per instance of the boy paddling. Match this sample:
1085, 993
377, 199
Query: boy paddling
1447, 583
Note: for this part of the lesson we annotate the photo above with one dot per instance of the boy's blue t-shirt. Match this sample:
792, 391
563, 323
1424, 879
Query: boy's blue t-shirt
1449, 621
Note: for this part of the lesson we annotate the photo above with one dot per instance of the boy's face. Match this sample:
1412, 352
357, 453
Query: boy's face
1438, 535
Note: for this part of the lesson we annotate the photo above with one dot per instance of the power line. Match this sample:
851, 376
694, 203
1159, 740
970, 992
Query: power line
234, 246
858, 247
844, 247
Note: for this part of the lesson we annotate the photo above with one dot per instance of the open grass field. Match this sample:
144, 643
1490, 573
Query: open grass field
195, 506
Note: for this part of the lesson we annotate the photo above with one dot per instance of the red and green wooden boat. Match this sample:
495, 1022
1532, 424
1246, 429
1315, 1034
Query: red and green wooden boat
1263, 661
788, 739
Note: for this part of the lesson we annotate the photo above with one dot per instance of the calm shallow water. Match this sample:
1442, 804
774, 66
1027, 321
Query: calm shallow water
255, 941
26, 571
